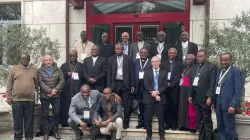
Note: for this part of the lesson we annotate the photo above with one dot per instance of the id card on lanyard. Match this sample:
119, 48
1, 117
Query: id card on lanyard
197, 77
218, 88
141, 73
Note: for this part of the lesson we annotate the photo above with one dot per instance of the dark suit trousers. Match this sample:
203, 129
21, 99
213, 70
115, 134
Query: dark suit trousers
139, 97
225, 123
126, 97
171, 110
204, 120
148, 115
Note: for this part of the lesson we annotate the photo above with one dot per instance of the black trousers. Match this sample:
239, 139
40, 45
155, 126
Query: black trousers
139, 96
204, 120
55, 102
148, 115
23, 116
172, 106
127, 99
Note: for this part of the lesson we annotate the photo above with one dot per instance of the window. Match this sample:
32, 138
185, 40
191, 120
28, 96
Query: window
173, 31
146, 6
96, 32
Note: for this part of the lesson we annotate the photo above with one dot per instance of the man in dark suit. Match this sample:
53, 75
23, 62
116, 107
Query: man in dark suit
94, 70
201, 92
106, 48
125, 43
154, 98
141, 65
173, 68
108, 115
228, 92
137, 46
121, 79
161, 48
185, 47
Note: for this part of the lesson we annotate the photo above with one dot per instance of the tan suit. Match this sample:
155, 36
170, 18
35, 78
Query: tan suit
83, 50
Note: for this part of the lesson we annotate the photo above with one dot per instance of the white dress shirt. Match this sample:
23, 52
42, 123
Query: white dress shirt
94, 59
140, 45
184, 44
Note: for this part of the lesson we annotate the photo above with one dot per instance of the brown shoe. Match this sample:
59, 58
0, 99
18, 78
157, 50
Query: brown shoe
46, 137
57, 136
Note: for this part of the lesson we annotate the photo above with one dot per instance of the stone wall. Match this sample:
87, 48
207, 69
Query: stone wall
6, 121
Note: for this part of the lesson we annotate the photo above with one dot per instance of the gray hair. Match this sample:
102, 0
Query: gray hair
156, 57
85, 86
173, 49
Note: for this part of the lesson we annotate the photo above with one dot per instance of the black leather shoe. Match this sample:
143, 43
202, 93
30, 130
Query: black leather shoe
148, 138
174, 128
193, 130
125, 126
91, 137
162, 138
46, 137
139, 126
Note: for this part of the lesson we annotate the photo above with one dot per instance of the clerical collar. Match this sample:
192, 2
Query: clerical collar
143, 60
227, 67
171, 61
201, 64
105, 43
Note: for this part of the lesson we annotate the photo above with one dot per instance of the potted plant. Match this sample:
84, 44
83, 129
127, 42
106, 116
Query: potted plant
234, 37
17, 39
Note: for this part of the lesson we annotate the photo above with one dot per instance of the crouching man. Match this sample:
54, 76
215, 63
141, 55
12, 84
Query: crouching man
107, 115
81, 109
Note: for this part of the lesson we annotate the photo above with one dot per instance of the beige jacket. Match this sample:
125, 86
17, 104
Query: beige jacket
83, 50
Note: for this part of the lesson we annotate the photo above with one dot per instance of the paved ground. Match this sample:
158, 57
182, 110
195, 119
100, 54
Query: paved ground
9, 136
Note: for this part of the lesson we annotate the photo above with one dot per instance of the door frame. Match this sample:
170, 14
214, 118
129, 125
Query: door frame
125, 19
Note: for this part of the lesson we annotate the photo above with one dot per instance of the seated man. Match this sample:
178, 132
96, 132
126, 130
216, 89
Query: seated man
81, 108
110, 116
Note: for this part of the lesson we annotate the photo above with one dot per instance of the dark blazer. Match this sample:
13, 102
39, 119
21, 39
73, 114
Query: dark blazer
149, 85
100, 109
134, 49
231, 88
98, 72
192, 49
128, 72
164, 54
176, 71
206, 84
138, 69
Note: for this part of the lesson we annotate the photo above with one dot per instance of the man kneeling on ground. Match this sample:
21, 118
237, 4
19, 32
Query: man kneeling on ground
110, 113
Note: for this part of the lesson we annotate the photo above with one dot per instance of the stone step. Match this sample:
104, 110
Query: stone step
169, 134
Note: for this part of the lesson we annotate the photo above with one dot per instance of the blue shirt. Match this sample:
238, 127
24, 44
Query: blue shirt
125, 48
49, 70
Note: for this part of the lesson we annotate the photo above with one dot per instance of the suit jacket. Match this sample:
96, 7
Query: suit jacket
176, 71
138, 69
78, 105
98, 71
128, 72
100, 109
134, 49
231, 89
149, 85
164, 54
192, 49
206, 84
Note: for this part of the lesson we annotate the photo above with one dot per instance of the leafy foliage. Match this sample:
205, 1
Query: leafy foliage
17, 39
10, 11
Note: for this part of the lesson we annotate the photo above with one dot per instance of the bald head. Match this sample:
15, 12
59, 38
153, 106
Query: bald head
161, 36
125, 37
85, 91
184, 36
48, 60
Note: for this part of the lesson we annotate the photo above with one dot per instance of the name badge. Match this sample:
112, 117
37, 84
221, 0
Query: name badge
196, 81
181, 82
141, 74
138, 56
169, 75
86, 114
83, 56
75, 76
158, 55
218, 90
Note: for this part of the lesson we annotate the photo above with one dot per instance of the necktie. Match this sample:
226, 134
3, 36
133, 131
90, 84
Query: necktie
156, 80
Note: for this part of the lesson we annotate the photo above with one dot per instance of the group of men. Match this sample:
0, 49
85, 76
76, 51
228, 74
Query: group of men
149, 73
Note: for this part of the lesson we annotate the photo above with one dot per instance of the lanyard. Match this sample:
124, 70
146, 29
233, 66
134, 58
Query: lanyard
199, 72
160, 48
119, 62
84, 46
186, 73
74, 67
142, 67
222, 76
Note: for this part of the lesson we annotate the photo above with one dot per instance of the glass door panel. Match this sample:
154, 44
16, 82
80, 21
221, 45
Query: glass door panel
119, 29
173, 31
150, 33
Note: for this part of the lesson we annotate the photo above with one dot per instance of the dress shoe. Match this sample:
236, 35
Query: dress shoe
108, 137
57, 136
139, 126
167, 127
46, 137
125, 126
91, 137
118, 139
193, 130
29, 138
162, 138
173, 128
148, 138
